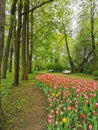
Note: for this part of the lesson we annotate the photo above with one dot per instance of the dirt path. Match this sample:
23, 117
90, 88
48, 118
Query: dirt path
26, 109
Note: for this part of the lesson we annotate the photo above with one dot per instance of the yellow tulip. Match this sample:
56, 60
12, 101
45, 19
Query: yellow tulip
64, 120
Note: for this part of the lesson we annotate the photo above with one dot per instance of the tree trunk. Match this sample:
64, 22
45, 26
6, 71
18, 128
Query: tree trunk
11, 54
69, 56
17, 45
31, 44
27, 43
92, 19
2, 23
80, 68
92, 25
68, 52
6, 54
24, 40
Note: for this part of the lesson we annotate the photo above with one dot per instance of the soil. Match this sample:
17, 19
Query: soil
26, 109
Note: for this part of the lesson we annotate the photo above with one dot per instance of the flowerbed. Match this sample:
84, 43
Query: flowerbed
73, 103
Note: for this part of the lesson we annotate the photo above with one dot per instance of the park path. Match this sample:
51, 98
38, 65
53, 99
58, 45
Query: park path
29, 109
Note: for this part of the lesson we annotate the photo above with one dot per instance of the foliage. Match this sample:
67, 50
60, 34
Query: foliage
88, 69
95, 73
55, 66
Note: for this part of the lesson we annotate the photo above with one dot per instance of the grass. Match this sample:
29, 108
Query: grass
12, 98
77, 75
82, 75
6, 84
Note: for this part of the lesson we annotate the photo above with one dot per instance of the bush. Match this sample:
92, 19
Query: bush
95, 73
55, 66
96, 78
88, 69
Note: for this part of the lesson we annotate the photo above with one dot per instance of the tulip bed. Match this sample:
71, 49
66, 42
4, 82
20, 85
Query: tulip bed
73, 103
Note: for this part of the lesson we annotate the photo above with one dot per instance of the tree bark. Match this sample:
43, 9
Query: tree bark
27, 43
11, 54
6, 54
92, 19
92, 25
17, 45
24, 40
2, 23
31, 44
69, 56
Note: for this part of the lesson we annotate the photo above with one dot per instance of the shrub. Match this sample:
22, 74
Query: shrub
88, 69
96, 78
95, 73
55, 66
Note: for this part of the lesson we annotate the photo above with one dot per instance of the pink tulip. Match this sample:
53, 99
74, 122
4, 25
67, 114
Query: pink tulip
57, 112
52, 112
96, 105
69, 109
90, 127
56, 123
87, 102
95, 113
50, 119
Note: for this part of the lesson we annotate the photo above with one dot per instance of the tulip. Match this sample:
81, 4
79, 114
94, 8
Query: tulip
83, 115
90, 127
95, 113
96, 105
56, 123
50, 119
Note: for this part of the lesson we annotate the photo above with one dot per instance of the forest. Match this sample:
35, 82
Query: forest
46, 36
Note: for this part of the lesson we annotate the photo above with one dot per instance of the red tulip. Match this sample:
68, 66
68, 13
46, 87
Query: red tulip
83, 115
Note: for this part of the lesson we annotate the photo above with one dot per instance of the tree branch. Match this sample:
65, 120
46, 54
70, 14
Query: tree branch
84, 61
38, 6
95, 33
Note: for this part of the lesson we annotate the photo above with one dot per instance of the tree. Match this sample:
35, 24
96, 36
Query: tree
88, 32
27, 43
24, 42
6, 53
2, 23
17, 45
31, 43
38, 6
11, 54
26, 57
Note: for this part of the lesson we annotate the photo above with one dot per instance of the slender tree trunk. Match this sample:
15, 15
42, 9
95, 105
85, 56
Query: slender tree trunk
92, 25
17, 45
31, 44
68, 52
11, 54
24, 40
6, 54
2, 23
92, 33
69, 56
27, 43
